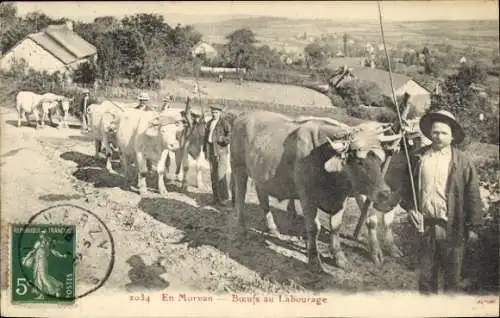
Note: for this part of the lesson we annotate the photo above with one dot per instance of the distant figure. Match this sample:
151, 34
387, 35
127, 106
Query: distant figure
167, 101
83, 109
220, 78
215, 148
143, 105
196, 89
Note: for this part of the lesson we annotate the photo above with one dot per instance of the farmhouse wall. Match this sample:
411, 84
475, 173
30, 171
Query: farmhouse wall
36, 57
204, 48
419, 96
413, 88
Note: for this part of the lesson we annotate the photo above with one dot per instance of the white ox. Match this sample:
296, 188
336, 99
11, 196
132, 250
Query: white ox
147, 135
27, 104
50, 101
103, 125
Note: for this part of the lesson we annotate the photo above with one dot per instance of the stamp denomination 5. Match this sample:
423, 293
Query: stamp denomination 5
62, 253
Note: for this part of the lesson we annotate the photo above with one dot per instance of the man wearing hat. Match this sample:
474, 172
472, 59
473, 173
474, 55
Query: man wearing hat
215, 148
448, 206
167, 100
143, 105
83, 109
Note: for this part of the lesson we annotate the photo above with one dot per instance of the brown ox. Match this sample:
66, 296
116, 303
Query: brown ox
315, 161
191, 142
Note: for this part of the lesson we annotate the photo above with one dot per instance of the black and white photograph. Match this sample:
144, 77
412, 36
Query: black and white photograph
250, 158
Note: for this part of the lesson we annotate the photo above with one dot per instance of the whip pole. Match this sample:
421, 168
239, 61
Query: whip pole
410, 170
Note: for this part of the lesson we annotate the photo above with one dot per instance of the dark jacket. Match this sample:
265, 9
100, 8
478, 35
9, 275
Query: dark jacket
462, 190
221, 136
82, 108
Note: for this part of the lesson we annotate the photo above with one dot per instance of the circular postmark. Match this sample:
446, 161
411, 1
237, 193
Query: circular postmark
65, 252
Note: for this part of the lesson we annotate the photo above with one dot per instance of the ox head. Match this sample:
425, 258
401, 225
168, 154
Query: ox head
194, 129
361, 155
110, 125
66, 102
168, 129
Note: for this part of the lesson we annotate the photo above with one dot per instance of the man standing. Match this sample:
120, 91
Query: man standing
83, 109
167, 101
215, 148
448, 203
143, 105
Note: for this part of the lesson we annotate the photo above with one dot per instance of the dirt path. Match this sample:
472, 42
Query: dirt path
183, 243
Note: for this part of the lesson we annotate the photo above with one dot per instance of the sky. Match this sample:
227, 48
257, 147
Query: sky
188, 12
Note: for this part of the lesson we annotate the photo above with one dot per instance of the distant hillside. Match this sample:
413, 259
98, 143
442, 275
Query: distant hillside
283, 32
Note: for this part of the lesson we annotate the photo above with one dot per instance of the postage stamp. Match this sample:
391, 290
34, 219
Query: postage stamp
61, 254
42, 263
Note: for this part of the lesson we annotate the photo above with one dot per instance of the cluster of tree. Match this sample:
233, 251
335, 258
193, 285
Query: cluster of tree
478, 113
242, 50
14, 28
139, 47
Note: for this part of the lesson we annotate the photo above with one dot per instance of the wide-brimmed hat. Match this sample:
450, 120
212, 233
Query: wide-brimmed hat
86, 91
217, 107
443, 116
143, 96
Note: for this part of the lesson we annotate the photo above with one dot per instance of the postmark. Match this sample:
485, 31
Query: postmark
92, 258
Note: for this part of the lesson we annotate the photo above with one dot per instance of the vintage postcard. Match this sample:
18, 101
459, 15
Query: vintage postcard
249, 158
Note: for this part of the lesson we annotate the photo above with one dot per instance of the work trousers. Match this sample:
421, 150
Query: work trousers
218, 173
440, 262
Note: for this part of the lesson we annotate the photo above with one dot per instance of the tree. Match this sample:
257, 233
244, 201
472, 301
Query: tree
409, 58
459, 97
86, 73
182, 39
315, 54
241, 47
8, 15
150, 27
13, 29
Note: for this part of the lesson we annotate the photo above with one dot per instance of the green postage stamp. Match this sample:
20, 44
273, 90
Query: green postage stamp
42, 263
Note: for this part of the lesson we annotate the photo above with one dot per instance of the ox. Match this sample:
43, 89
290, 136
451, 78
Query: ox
147, 135
191, 141
315, 161
50, 102
192, 144
394, 178
27, 104
103, 123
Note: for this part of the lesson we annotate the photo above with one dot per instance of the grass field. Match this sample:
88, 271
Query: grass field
249, 91
281, 32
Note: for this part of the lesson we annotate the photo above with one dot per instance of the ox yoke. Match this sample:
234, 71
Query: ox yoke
286, 158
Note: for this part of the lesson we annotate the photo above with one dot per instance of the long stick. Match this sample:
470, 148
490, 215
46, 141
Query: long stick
410, 170
364, 209
198, 89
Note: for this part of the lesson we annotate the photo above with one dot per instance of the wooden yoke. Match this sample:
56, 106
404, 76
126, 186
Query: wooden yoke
365, 207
